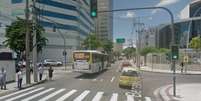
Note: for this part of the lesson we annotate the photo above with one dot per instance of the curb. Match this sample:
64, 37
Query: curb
24, 87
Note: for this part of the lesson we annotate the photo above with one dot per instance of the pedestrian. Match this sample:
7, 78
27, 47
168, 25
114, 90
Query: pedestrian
3, 78
50, 70
19, 78
182, 66
40, 69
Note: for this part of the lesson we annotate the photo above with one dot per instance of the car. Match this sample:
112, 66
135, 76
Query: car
124, 65
129, 77
51, 62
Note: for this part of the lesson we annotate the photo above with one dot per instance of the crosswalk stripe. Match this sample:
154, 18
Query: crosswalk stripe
38, 94
98, 96
112, 79
147, 99
25, 94
82, 96
130, 97
18, 92
67, 95
114, 97
52, 95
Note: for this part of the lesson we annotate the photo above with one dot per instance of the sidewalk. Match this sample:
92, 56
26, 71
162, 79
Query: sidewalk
167, 70
13, 85
184, 92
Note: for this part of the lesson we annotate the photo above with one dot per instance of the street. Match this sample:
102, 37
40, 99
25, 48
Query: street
73, 86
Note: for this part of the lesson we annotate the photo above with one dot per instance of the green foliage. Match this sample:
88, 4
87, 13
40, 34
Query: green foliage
196, 43
107, 45
91, 42
16, 33
129, 52
148, 50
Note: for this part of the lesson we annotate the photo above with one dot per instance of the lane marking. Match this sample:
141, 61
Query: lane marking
147, 99
52, 95
25, 94
112, 79
21, 91
130, 97
66, 95
114, 97
94, 79
80, 79
101, 80
82, 96
38, 94
98, 96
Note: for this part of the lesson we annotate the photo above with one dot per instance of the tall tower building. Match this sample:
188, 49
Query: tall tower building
105, 20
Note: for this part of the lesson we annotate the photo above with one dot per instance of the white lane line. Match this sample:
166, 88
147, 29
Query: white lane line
130, 97
38, 94
80, 79
66, 95
101, 80
98, 96
52, 95
25, 94
94, 79
82, 96
147, 99
114, 97
112, 79
18, 92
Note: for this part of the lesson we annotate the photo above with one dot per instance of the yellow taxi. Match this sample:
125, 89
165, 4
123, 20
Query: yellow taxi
128, 77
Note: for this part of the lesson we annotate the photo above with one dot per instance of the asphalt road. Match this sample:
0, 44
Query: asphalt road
97, 87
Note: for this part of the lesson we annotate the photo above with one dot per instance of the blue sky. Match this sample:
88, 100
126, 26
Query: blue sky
122, 21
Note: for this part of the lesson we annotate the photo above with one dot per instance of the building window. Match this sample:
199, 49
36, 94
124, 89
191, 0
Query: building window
16, 1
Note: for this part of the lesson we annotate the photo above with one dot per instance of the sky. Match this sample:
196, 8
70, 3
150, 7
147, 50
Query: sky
123, 21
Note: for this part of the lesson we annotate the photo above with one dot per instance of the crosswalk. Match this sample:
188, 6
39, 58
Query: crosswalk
54, 94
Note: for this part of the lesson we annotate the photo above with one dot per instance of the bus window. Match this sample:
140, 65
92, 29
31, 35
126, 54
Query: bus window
81, 56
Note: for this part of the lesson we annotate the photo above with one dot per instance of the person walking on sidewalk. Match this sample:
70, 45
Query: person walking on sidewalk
50, 70
40, 69
182, 66
3, 79
19, 78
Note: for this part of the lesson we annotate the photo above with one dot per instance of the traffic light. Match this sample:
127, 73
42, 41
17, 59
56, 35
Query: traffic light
93, 8
175, 52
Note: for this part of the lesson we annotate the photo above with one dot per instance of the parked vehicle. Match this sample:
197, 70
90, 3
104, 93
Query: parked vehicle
52, 62
124, 65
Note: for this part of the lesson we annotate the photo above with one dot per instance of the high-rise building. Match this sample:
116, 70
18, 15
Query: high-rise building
72, 18
104, 20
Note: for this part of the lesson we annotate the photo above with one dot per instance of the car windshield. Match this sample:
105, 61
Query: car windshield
130, 73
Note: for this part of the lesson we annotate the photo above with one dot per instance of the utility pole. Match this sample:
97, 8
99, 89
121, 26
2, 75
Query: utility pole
27, 43
34, 54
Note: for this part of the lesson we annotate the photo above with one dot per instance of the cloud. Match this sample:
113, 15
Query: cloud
128, 15
163, 3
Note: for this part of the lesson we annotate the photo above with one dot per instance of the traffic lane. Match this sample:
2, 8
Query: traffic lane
153, 81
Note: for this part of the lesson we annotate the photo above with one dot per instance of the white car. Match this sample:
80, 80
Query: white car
52, 62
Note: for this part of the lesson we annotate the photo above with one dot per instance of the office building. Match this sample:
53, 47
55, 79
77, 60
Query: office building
72, 18
105, 20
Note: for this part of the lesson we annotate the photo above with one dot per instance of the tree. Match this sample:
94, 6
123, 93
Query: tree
107, 45
91, 42
129, 52
195, 43
16, 33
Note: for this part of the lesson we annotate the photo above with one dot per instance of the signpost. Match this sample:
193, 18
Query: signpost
120, 40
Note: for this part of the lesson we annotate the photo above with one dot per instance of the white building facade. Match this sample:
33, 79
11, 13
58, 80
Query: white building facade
72, 20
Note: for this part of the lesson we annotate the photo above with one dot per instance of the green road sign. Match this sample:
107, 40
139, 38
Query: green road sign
175, 52
120, 40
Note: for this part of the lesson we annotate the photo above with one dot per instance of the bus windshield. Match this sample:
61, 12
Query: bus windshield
81, 56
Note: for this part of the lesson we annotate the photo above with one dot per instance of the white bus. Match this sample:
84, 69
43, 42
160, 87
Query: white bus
89, 61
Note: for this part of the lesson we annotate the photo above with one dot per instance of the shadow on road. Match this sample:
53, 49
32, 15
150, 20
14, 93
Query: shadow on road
90, 76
